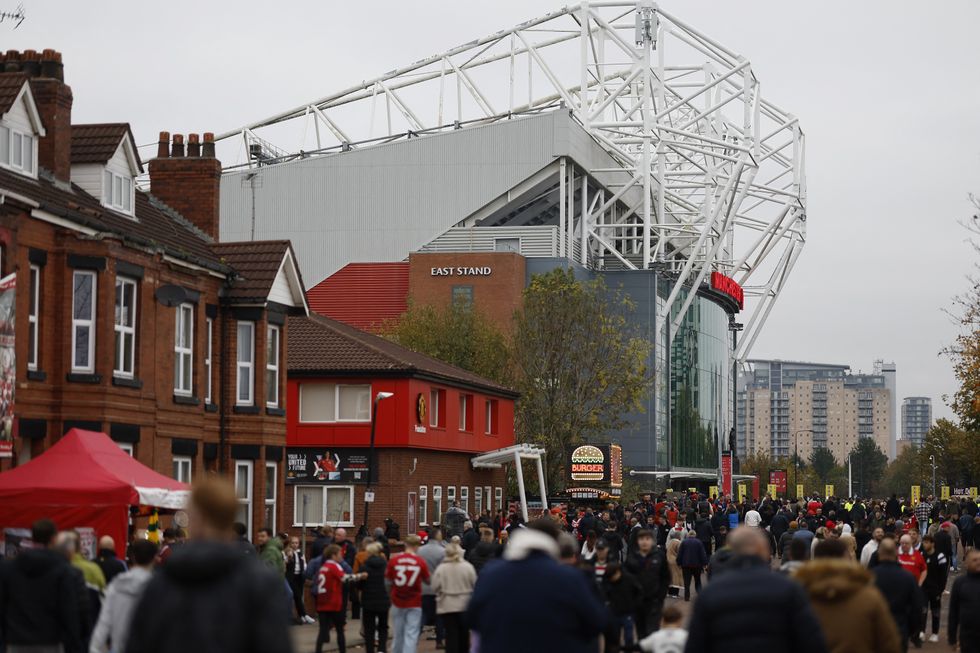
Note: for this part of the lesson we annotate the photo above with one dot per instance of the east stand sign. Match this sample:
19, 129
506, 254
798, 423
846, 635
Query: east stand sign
307, 465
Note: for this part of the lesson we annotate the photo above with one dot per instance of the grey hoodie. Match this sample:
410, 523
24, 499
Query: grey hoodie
121, 597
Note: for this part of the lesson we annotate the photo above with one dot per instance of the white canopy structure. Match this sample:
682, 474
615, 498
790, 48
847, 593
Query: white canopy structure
517, 454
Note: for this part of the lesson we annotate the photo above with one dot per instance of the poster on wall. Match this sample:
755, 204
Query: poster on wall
8, 363
326, 465
726, 474
778, 478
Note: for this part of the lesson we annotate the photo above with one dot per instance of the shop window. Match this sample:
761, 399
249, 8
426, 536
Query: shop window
463, 295
464, 499
423, 505
329, 402
437, 408
33, 315
490, 424
245, 364
271, 490
465, 412
437, 504
182, 469
243, 492
83, 321
478, 501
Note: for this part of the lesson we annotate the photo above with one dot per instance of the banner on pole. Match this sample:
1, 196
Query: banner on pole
973, 493
8, 364
771, 489
916, 495
828, 490
779, 478
799, 490
944, 492
713, 491
726, 473
741, 492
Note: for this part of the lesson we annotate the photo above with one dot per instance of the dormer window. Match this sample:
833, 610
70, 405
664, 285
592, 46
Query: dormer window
117, 192
17, 150
20, 127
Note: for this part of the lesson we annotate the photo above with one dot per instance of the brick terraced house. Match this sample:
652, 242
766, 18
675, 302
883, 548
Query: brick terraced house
130, 318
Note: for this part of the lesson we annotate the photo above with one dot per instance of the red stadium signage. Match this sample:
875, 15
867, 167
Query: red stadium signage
728, 286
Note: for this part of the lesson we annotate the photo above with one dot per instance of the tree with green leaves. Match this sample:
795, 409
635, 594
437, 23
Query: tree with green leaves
822, 462
458, 334
868, 463
581, 363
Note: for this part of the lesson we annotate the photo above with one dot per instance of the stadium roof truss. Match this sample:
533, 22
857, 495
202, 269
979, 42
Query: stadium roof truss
720, 169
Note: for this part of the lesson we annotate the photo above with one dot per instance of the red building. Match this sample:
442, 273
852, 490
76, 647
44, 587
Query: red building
437, 418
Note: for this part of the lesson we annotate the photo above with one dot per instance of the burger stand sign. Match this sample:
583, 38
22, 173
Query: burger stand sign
595, 471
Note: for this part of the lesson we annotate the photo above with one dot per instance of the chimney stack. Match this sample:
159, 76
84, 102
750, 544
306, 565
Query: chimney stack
53, 98
188, 184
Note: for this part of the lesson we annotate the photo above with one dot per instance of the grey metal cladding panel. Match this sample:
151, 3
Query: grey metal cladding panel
381, 203
535, 241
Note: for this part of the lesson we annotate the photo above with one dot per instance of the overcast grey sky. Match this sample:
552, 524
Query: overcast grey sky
887, 91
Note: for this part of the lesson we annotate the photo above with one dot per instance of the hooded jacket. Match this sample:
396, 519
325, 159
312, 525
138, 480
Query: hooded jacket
120, 600
209, 597
374, 594
530, 577
853, 613
964, 602
40, 598
482, 553
271, 554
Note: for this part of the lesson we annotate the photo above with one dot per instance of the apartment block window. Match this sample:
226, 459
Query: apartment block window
271, 487
272, 366
182, 469
437, 504
329, 402
464, 499
490, 427
208, 347
245, 364
243, 492
184, 350
17, 150
465, 412
124, 326
83, 321
477, 500
117, 192
423, 505
33, 312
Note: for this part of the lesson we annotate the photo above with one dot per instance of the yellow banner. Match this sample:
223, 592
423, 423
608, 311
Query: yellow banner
799, 491
828, 491
916, 494
973, 493
772, 490
944, 492
713, 491
742, 490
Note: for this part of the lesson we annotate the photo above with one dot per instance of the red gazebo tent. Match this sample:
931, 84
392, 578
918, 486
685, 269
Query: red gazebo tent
85, 479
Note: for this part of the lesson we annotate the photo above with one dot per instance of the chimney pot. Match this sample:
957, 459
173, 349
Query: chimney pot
31, 63
51, 65
163, 145
207, 150
193, 145
12, 62
177, 148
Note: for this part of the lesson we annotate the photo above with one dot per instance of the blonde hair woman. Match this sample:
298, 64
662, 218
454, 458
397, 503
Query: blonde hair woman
453, 583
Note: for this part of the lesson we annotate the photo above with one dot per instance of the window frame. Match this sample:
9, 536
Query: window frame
478, 500
7, 158
462, 289
336, 405
249, 466
321, 519
180, 352
90, 322
208, 354
128, 447
423, 507
33, 317
123, 331
127, 192
179, 462
498, 498
248, 365
520, 245
490, 427
272, 369
273, 467
464, 498
465, 413
450, 496
433, 408
437, 503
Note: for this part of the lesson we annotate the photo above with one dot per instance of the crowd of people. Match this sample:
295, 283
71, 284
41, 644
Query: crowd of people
808, 575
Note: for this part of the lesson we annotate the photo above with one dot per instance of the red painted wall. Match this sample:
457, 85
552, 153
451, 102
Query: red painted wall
397, 422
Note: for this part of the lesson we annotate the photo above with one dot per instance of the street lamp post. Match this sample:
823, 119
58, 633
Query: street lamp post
932, 459
796, 456
370, 472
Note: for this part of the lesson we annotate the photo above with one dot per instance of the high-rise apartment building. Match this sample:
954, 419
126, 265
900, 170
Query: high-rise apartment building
916, 419
785, 407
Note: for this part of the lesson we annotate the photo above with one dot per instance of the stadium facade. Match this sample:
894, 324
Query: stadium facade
608, 137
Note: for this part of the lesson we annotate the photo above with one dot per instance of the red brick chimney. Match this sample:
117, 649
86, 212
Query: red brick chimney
188, 184
53, 99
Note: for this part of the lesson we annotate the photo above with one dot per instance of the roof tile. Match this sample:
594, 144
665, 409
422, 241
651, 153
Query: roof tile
10, 85
97, 143
256, 264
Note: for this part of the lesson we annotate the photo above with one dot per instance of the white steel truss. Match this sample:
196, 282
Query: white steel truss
720, 171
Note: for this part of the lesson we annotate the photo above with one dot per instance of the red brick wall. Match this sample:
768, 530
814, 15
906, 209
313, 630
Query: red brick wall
190, 185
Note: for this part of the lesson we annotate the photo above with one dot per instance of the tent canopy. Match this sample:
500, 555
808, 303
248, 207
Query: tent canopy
85, 468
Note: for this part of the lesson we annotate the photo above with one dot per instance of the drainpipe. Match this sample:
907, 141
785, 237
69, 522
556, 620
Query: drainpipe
222, 395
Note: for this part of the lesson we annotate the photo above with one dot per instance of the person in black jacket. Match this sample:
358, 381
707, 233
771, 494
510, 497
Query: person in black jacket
39, 597
485, 550
210, 597
937, 571
374, 598
727, 616
963, 627
110, 565
649, 565
900, 590
621, 593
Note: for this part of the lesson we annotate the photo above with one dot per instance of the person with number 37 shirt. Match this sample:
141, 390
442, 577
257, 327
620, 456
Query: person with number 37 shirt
405, 574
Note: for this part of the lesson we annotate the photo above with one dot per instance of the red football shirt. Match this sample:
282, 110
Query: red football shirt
913, 563
407, 572
330, 587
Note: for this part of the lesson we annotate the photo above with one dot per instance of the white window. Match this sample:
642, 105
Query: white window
245, 363
271, 488
125, 327
333, 505
433, 408
208, 345
464, 499
127, 447
498, 498
487, 498
184, 350
450, 495
464, 405
437, 504
182, 469
328, 402
32, 316
17, 150
507, 245
117, 192
272, 366
243, 491
423, 505
491, 416
478, 501
83, 321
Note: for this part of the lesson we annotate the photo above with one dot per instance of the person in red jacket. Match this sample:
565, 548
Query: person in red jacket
330, 597
406, 572
911, 560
